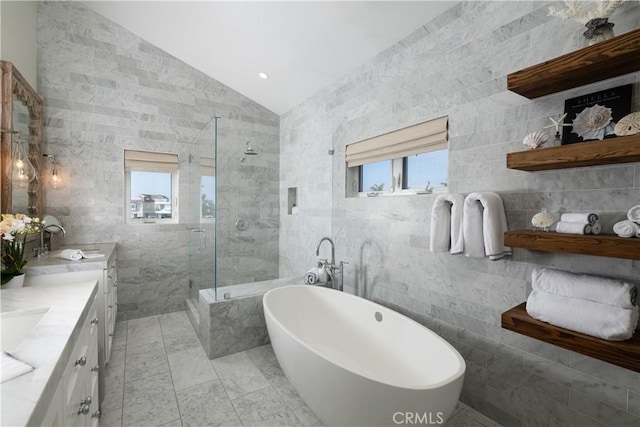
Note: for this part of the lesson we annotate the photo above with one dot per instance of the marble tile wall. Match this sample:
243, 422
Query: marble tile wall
457, 65
106, 90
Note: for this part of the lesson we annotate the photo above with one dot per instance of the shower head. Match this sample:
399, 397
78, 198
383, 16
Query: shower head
248, 150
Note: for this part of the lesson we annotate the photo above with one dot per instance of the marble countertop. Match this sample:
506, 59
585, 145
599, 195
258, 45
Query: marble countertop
52, 264
48, 346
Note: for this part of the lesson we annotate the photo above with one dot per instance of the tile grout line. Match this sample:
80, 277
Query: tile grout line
173, 385
225, 391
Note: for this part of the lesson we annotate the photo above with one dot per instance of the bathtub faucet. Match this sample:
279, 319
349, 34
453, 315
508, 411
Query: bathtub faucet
331, 267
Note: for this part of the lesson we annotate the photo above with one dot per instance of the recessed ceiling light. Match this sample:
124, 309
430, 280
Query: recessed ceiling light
263, 75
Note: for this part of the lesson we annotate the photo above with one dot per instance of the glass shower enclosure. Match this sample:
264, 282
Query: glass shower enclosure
201, 181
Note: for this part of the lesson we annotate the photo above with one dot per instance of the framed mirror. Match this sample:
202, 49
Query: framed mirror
22, 117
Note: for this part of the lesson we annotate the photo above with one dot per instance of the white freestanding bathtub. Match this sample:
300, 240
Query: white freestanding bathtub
355, 362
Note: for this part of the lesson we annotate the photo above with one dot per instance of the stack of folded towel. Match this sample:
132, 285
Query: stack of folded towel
597, 306
579, 223
630, 227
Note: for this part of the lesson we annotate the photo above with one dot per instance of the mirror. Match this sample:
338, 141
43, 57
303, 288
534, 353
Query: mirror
21, 112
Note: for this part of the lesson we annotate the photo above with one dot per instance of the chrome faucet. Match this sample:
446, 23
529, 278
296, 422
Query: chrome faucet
43, 248
331, 267
333, 249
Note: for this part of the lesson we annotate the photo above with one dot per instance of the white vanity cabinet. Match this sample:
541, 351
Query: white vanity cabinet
51, 270
75, 402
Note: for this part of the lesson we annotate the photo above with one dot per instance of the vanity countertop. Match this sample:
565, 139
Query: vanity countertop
52, 264
48, 346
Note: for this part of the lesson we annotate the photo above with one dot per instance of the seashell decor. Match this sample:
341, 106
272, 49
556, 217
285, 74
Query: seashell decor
542, 219
593, 123
536, 139
628, 125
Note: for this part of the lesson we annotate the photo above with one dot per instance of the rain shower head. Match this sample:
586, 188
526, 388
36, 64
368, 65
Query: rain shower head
248, 150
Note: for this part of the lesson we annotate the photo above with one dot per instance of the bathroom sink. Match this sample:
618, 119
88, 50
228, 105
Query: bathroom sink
16, 325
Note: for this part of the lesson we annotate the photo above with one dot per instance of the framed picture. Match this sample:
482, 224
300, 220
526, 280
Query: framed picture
594, 116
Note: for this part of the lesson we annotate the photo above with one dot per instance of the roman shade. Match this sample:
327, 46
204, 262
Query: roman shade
423, 137
207, 166
150, 162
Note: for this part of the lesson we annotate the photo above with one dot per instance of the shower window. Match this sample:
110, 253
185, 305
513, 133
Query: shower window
151, 187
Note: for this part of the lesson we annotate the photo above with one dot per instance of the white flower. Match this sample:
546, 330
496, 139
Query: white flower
8, 237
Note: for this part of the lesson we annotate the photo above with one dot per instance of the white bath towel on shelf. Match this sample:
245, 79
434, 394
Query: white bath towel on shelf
446, 224
626, 228
573, 227
604, 290
585, 218
587, 317
484, 223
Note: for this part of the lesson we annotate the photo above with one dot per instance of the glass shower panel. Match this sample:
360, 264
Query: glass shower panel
202, 210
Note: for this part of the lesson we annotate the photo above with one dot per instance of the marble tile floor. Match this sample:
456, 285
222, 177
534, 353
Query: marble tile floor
159, 375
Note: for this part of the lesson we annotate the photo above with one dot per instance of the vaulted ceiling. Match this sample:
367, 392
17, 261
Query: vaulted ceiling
303, 46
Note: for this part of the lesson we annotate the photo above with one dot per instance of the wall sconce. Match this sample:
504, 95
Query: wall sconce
55, 181
21, 171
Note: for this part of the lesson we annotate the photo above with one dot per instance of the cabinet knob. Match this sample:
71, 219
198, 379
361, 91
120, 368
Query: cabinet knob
95, 321
95, 414
115, 285
95, 368
82, 361
84, 410
86, 401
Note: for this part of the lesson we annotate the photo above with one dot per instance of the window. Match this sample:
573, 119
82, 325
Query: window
409, 160
426, 171
151, 187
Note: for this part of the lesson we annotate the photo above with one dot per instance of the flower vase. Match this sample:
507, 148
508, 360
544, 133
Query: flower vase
598, 30
15, 282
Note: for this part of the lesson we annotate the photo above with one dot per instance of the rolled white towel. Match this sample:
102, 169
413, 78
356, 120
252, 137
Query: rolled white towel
604, 290
596, 228
587, 317
585, 218
573, 228
626, 228
310, 277
71, 254
446, 224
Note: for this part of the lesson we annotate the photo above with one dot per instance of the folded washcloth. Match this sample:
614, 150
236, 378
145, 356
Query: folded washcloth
588, 317
10, 367
71, 254
484, 223
585, 218
603, 290
77, 254
446, 224
626, 228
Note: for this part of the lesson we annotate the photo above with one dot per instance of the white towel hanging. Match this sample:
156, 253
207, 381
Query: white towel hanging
484, 223
446, 224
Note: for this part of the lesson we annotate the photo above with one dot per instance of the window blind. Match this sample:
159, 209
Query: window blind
207, 166
150, 162
423, 137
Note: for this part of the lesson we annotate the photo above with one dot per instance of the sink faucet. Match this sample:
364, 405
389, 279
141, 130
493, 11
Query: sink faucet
40, 251
331, 267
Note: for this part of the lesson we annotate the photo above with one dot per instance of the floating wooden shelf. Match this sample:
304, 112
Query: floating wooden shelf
600, 245
621, 353
610, 58
622, 149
